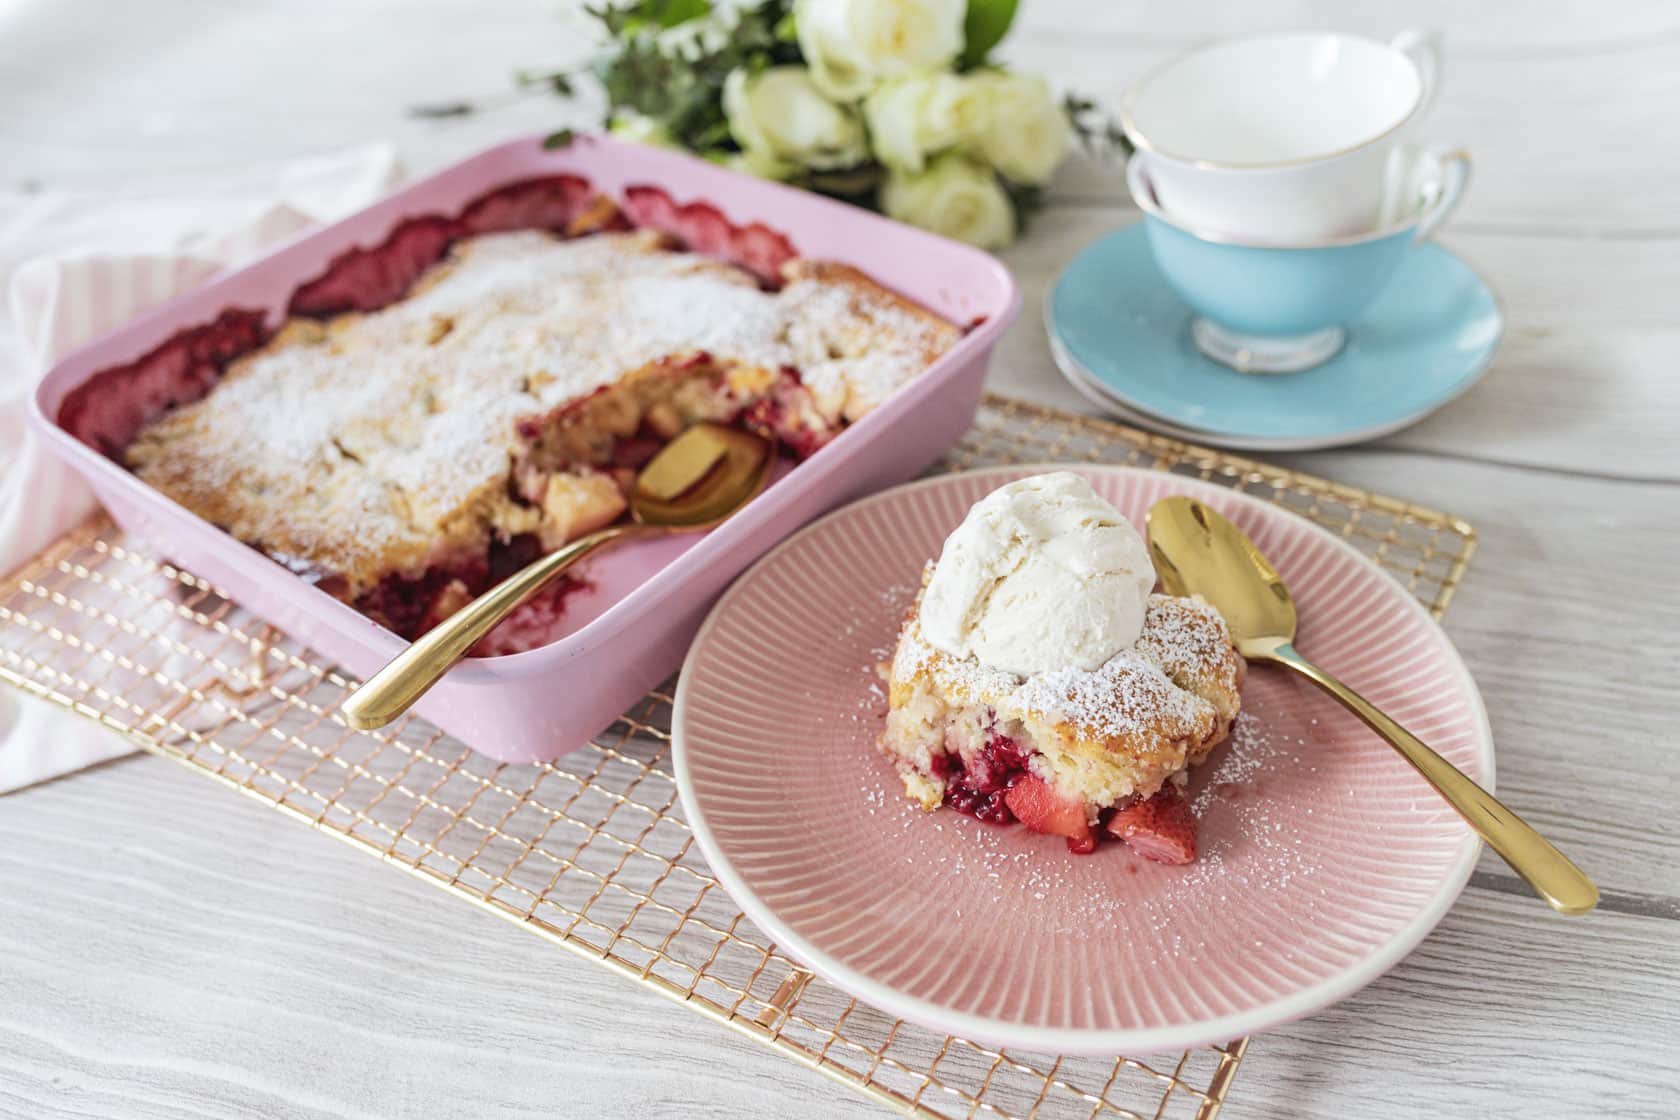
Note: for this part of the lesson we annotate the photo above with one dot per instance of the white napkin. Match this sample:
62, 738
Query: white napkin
76, 265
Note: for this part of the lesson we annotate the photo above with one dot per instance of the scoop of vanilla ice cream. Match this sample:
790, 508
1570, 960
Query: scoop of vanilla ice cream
1042, 574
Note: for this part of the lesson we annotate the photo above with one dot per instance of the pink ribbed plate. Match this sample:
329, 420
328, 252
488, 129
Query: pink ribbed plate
1324, 857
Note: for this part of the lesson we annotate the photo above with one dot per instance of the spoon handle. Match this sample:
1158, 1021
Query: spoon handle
1551, 873
394, 689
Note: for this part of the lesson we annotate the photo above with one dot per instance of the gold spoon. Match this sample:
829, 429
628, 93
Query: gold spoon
701, 477
1198, 552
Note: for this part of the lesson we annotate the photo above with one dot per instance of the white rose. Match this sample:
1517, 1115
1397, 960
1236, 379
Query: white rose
783, 124
913, 117
956, 197
851, 45
1028, 132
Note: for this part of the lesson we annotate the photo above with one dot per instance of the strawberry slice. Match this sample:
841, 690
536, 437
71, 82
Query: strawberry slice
705, 230
1041, 809
1161, 828
650, 206
763, 250
545, 203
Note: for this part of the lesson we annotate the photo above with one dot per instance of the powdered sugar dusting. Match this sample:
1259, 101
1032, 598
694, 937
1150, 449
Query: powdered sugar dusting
1188, 640
369, 441
1155, 689
1128, 697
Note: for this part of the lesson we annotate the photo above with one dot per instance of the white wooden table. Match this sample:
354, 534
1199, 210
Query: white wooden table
167, 950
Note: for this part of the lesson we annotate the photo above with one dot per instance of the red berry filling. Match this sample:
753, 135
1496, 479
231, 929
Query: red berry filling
997, 787
108, 410
979, 789
412, 605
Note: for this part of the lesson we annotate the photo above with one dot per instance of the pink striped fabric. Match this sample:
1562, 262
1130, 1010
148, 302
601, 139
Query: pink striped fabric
1324, 857
74, 266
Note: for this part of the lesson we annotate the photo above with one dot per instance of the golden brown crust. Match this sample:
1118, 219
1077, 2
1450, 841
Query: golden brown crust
872, 302
599, 214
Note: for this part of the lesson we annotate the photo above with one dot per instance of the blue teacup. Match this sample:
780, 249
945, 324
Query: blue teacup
1264, 308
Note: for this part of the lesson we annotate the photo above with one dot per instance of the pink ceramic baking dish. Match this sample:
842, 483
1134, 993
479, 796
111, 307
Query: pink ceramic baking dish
629, 628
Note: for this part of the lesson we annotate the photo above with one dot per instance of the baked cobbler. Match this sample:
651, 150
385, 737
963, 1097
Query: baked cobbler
1037, 679
438, 411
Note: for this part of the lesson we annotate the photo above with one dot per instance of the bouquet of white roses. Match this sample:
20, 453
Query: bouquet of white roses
892, 104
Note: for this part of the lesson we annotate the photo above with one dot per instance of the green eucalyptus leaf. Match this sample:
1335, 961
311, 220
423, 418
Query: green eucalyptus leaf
669, 13
1027, 202
849, 183
984, 28
712, 136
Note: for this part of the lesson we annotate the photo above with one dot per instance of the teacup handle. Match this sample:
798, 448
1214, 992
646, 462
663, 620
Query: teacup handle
1423, 46
1455, 177
1141, 190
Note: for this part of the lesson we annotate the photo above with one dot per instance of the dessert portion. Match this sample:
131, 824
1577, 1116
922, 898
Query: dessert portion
1037, 679
423, 425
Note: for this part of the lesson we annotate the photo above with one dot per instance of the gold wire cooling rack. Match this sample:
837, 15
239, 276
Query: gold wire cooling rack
592, 851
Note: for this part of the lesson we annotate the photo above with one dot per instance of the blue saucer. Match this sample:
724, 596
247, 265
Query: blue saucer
1115, 324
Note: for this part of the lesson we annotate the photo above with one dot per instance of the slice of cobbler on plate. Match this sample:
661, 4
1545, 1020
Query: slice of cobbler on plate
1037, 679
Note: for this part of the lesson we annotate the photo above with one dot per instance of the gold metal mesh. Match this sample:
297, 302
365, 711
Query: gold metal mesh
592, 851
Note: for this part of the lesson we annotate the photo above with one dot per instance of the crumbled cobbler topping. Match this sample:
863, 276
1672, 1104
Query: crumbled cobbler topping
391, 441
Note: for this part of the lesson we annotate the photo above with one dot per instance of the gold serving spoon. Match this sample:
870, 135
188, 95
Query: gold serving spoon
701, 477
1198, 552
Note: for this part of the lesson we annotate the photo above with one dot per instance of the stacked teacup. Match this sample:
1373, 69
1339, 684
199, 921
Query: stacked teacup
1282, 185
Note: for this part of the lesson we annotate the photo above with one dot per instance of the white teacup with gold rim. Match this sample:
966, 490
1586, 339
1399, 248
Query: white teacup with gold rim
1290, 137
